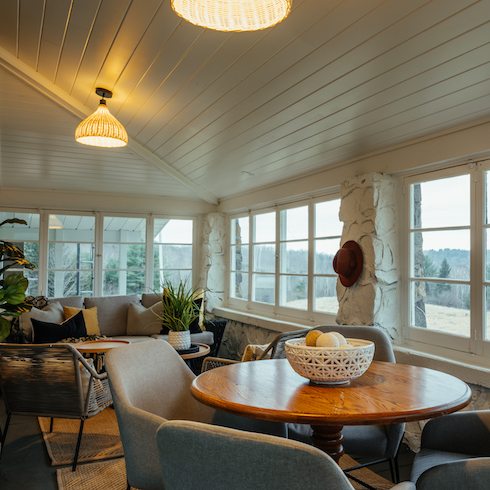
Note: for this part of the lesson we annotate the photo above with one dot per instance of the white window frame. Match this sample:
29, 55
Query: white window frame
285, 313
99, 243
474, 349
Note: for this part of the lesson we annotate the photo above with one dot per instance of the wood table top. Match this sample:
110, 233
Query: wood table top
99, 346
386, 393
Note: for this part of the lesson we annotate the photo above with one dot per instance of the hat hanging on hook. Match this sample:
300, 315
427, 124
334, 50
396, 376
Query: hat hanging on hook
348, 262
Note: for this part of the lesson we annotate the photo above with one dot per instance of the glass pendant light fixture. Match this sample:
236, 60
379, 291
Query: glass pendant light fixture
233, 15
102, 128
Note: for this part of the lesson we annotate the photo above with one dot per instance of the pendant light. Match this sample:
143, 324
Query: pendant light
233, 15
102, 128
54, 223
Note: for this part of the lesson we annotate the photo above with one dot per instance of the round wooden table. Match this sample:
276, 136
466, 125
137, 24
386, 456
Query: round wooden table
203, 351
99, 346
387, 393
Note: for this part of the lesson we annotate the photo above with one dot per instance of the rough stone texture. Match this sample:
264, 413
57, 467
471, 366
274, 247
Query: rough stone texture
368, 210
213, 271
238, 335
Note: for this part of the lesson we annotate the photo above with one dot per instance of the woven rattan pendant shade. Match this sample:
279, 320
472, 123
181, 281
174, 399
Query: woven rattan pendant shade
101, 129
233, 15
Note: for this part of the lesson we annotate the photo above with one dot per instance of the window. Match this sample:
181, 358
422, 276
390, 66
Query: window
285, 268
91, 254
27, 239
124, 255
449, 261
172, 251
71, 241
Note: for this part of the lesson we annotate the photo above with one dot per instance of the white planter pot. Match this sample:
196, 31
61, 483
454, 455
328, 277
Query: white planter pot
180, 340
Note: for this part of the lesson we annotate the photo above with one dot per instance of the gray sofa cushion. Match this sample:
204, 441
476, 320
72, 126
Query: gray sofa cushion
144, 321
72, 301
112, 312
149, 299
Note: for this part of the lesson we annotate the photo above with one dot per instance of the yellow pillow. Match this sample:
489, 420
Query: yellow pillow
89, 315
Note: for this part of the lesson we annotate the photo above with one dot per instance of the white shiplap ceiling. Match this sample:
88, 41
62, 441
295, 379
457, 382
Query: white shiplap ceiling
206, 109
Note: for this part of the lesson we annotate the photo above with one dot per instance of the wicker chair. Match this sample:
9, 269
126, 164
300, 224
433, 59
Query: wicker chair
51, 381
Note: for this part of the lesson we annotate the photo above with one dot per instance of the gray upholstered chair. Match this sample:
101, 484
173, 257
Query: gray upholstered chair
452, 452
50, 381
150, 384
194, 455
380, 442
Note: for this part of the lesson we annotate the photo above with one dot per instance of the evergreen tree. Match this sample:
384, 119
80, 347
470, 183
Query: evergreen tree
444, 272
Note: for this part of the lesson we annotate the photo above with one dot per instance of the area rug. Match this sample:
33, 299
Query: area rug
100, 439
364, 475
111, 475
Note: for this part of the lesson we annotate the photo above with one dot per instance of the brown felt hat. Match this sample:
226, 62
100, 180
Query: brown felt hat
348, 262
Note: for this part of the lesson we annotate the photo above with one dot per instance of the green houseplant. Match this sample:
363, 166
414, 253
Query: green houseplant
13, 287
179, 311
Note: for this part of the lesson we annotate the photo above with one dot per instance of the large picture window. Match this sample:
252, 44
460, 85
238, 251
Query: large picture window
281, 260
93, 254
448, 258
71, 242
172, 251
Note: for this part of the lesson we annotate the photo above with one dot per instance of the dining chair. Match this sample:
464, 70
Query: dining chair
196, 455
454, 452
380, 442
150, 384
50, 381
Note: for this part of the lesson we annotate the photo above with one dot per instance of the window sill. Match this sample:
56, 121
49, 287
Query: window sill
274, 324
472, 374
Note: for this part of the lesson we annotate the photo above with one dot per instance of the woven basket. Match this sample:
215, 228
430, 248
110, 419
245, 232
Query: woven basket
330, 365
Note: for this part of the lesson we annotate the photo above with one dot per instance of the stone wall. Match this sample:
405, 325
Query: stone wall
213, 270
238, 335
368, 210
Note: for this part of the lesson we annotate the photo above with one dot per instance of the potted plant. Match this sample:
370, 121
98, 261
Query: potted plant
13, 287
179, 311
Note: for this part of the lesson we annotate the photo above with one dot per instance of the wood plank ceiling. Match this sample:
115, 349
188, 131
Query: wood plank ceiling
226, 113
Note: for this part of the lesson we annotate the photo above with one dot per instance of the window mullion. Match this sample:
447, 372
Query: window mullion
477, 292
311, 248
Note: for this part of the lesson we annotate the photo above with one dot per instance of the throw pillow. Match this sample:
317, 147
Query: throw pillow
52, 313
89, 315
144, 321
48, 333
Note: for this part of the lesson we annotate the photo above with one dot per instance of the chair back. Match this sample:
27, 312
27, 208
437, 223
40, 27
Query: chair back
195, 455
383, 352
44, 380
150, 383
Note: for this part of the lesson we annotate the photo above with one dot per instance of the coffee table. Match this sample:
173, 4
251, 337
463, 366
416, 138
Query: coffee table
387, 393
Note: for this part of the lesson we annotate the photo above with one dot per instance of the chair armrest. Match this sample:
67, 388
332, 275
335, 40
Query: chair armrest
215, 362
404, 485
467, 473
90, 369
462, 432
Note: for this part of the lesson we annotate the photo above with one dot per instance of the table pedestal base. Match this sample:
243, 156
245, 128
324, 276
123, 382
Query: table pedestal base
329, 438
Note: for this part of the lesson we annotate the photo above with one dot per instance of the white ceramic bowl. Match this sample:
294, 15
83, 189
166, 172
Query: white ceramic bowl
330, 365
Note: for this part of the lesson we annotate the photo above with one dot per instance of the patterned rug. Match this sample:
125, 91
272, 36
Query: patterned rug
111, 475
100, 438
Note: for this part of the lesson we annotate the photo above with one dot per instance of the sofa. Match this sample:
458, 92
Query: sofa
129, 317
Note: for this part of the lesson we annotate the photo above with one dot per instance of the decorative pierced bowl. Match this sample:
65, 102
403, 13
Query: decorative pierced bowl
330, 365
